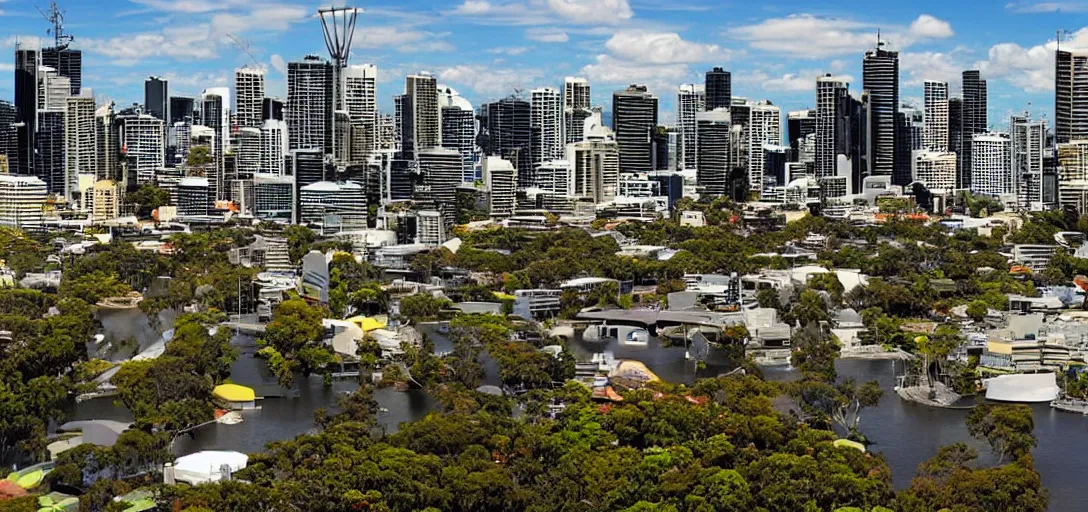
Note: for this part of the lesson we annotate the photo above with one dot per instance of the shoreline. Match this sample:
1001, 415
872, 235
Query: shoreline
896, 355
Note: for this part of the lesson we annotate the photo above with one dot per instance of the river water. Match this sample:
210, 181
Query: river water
906, 433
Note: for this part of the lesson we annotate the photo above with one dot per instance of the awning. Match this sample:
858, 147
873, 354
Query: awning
366, 323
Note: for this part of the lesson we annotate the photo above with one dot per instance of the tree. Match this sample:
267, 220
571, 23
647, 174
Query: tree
421, 307
1010, 429
93, 287
297, 333
299, 238
814, 353
147, 198
841, 403
977, 310
199, 156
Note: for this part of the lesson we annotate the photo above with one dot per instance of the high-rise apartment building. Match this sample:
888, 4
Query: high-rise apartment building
68, 63
576, 108
442, 173
974, 121
49, 161
991, 172
719, 89
936, 169
764, 129
421, 91
500, 180
831, 94
955, 135
1073, 174
506, 126
1071, 96
545, 121
107, 145
26, 104
459, 128
81, 156
880, 77
1028, 145
22, 200
800, 123
248, 96
182, 109
361, 102
690, 100
595, 163
157, 98
274, 147
142, 146
634, 117
713, 152
936, 115
309, 104
216, 116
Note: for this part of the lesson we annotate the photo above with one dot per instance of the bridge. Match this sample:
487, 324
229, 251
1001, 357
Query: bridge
652, 319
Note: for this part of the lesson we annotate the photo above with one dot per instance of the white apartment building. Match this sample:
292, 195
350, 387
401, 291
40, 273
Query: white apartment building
936, 169
249, 96
991, 172
22, 200
935, 121
690, 100
545, 121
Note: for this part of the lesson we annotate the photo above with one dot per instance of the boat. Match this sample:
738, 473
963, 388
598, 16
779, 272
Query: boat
1070, 405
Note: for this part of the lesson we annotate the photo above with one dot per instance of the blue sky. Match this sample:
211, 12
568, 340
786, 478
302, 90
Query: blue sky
487, 48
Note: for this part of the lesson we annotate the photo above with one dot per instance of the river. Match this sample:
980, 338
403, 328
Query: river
906, 433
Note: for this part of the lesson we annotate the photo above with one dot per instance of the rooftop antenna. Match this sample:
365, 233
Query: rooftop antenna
56, 17
338, 24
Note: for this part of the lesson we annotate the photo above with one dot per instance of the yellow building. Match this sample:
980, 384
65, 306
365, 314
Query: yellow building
106, 204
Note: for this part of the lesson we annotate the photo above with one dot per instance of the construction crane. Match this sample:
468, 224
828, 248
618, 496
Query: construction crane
56, 17
245, 48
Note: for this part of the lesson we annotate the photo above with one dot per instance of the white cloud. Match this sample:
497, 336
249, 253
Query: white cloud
547, 35
917, 67
1046, 7
404, 39
661, 78
791, 82
7, 67
185, 43
512, 51
512, 13
189, 6
1031, 69
929, 27
488, 81
661, 48
276, 18
809, 36
278, 63
607, 12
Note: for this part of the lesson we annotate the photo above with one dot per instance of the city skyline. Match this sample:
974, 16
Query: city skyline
774, 54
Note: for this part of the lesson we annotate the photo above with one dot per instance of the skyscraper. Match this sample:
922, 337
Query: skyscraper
459, 128
248, 96
936, 118
49, 158
79, 142
974, 121
576, 108
156, 98
634, 117
9, 137
68, 63
713, 153
595, 162
690, 100
719, 89
361, 102
309, 104
142, 146
107, 144
422, 94
216, 112
26, 104
991, 172
507, 133
936, 169
800, 123
880, 76
181, 109
955, 135
1027, 146
441, 170
1070, 96
764, 129
831, 94
274, 147
546, 125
